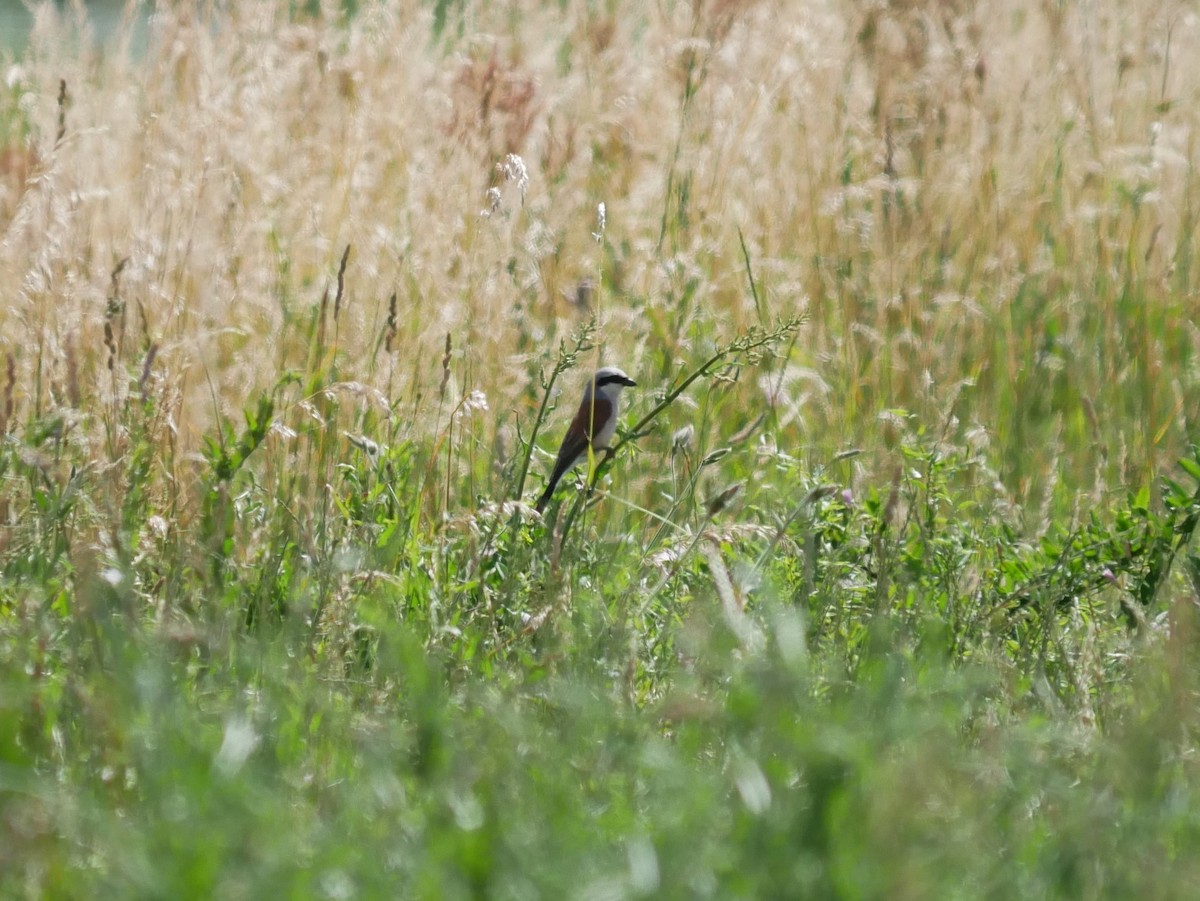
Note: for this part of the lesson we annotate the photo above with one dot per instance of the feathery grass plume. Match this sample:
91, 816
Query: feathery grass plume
513, 169
748, 430
62, 112
114, 312
389, 337
144, 379
319, 343
722, 499
110, 343
445, 368
683, 439
495, 200
8, 408
341, 284
733, 602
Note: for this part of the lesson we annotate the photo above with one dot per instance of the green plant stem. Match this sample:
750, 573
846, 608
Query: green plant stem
566, 360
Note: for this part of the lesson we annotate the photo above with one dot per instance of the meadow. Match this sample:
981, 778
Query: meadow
886, 590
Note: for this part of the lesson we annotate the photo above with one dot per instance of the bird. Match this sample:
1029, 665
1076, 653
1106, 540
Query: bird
594, 424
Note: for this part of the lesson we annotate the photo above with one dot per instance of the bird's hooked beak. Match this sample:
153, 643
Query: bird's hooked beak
606, 377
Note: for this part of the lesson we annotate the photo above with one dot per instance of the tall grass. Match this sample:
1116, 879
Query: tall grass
887, 588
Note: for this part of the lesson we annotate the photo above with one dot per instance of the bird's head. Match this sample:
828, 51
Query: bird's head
609, 381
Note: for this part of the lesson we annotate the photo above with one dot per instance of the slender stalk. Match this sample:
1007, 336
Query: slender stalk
566, 360
749, 343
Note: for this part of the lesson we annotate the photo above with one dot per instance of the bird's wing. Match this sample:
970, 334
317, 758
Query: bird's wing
589, 419
586, 421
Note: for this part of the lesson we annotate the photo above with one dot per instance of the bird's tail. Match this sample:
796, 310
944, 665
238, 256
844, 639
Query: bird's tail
561, 465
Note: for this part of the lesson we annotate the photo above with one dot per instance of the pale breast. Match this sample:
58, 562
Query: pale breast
604, 436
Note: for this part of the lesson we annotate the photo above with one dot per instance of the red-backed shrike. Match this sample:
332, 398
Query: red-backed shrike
593, 426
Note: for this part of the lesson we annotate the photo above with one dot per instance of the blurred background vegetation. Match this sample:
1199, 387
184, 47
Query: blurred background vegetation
104, 19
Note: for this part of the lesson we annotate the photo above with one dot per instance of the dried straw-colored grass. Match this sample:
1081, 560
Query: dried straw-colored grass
951, 191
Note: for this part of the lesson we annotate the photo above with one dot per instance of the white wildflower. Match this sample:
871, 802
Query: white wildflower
681, 441
476, 400
494, 201
513, 169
